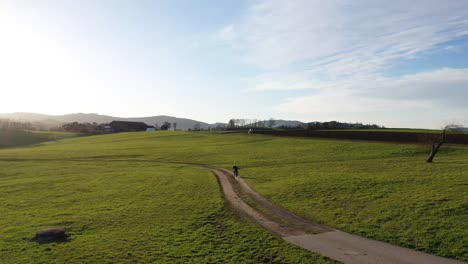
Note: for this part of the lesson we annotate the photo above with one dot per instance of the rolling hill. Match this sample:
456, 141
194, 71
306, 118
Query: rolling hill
50, 121
182, 123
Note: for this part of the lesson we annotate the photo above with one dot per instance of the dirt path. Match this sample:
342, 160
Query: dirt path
335, 244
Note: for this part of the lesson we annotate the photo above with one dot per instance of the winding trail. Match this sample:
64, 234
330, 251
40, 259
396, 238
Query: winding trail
335, 244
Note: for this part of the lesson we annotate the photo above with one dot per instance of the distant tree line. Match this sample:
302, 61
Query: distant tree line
84, 128
234, 123
243, 123
339, 125
95, 128
15, 125
250, 123
7, 124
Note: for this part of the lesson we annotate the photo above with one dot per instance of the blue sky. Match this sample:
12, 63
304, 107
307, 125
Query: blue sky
394, 63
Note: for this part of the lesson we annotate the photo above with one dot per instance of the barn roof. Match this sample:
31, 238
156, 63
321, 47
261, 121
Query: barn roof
128, 123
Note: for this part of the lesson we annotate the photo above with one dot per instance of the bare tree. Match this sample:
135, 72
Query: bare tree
231, 123
174, 125
437, 141
271, 123
242, 122
254, 123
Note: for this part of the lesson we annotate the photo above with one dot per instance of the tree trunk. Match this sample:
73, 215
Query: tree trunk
435, 149
436, 146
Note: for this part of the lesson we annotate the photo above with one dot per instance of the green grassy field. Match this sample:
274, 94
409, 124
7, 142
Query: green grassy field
380, 190
10, 139
121, 210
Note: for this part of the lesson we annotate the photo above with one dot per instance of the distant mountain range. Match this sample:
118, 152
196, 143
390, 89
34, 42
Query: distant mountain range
57, 120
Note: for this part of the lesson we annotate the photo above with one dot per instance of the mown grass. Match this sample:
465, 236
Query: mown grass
118, 210
13, 138
380, 190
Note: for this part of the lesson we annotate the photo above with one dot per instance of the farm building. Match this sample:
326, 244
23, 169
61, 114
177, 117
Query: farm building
150, 129
127, 126
108, 129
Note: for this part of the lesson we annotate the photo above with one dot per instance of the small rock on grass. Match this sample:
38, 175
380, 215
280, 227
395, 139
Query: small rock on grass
50, 235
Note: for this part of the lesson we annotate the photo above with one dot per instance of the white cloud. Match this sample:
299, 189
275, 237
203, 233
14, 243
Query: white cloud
429, 96
330, 39
355, 36
340, 50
